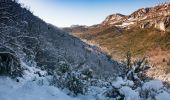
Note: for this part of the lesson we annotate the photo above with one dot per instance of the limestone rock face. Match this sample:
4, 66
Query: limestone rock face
113, 19
139, 13
160, 26
167, 22
146, 25
163, 24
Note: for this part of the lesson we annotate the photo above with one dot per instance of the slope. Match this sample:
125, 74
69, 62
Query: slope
31, 39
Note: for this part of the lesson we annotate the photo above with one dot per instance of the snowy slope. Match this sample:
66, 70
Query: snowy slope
31, 39
34, 87
11, 90
30, 87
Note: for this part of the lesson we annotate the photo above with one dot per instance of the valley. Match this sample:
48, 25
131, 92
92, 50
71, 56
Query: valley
109, 61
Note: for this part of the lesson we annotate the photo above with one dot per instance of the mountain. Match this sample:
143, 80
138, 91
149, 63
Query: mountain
157, 17
30, 38
144, 33
153, 21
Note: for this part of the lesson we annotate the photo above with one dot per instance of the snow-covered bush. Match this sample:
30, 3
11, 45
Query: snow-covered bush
75, 85
87, 73
114, 93
65, 77
132, 80
135, 70
71, 82
63, 68
150, 89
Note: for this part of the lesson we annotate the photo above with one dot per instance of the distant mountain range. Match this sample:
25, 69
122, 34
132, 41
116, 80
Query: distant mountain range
157, 17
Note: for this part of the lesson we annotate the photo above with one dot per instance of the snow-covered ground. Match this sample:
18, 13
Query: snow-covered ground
30, 87
30, 90
34, 87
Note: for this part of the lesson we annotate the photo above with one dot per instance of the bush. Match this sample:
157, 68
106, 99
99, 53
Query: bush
68, 78
75, 85
63, 68
87, 73
135, 70
114, 93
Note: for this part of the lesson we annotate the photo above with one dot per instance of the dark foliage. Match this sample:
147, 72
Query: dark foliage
10, 65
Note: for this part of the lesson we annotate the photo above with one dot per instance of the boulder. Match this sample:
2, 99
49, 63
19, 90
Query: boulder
10, 65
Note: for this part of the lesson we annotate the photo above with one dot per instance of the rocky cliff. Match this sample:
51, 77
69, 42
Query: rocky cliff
157, 16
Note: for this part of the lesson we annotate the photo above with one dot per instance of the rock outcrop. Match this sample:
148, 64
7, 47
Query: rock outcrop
163, 24
10, 65
113, 19
157, 17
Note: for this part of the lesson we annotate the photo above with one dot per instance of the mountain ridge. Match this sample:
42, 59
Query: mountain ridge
150, 15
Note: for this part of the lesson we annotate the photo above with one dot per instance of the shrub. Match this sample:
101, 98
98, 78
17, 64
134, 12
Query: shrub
135, 70
114, 93
63, 68
75, 85
87, 73
68, 78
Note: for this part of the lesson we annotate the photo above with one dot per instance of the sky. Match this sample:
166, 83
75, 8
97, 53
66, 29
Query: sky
64, 13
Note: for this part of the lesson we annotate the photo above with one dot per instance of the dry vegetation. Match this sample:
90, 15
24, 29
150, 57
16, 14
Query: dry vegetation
116, 42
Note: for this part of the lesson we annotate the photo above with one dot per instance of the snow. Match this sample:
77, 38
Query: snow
129, 93
120, 82
163, 96
96, 92
127, 23
155, 87
35, 87
11, 90
153, 84
30, 87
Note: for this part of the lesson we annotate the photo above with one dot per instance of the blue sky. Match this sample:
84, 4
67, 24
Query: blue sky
63, 13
